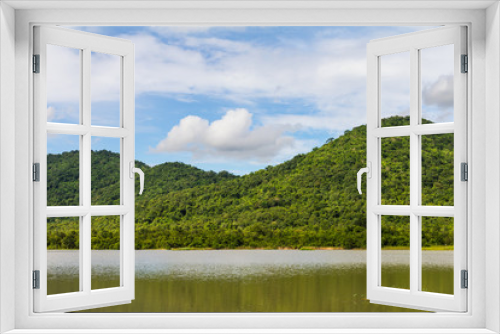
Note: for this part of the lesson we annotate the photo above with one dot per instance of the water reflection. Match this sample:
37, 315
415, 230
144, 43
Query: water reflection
252, 280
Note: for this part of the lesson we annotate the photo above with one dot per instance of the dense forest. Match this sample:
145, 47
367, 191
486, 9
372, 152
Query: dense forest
308, 201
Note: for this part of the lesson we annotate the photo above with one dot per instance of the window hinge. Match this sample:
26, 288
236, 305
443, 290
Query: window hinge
36, 172
465, 64
36, 279
36, 63
465, 279
464, 168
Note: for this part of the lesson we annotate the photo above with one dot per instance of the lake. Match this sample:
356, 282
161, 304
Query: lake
250, 280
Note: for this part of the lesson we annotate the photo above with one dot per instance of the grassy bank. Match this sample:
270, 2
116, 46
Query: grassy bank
307, 248
428, 248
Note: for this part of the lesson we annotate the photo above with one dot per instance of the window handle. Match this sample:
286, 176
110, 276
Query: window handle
368, 171
134, 170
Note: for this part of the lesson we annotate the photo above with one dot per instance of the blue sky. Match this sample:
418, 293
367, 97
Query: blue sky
231, 98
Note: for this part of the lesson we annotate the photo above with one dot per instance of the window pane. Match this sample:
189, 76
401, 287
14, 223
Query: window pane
395, 171
436, 73
395, 241
63, 255
63, 84
437, 254
437, 169
105, 171
395, 89
105, 89
105, 256
63, 170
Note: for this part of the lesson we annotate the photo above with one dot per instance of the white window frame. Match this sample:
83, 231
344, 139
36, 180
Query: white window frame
413, 43
482, 19
86, 43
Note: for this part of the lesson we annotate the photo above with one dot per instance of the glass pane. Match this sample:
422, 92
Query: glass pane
395, 89
395, 171
436, 73
105, 89
105, 171
437, 169
395, 234
63, 84
63, 255
437, 254
63, 170
105, 258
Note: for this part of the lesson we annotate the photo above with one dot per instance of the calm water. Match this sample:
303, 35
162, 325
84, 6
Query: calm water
250, 280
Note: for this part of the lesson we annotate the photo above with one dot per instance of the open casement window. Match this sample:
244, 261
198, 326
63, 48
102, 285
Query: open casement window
81, 219
416, 100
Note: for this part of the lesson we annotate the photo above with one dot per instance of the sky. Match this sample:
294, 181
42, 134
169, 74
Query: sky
241, 98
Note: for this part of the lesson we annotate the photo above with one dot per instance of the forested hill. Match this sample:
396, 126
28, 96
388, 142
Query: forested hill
63, 173
308, 201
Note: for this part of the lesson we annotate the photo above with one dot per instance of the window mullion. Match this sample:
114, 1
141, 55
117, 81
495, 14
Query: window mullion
85, 167
81, 226
414, 172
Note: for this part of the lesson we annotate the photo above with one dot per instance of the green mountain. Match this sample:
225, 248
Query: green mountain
308, 201
63, 174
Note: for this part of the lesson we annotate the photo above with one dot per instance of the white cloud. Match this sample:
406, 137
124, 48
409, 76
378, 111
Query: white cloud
63, 81
232, 136
244, 71
437, 83
63, 76
342, 119
437, 99
68, 113
439, 93
325, 74
190, 132
395, 84
105, 77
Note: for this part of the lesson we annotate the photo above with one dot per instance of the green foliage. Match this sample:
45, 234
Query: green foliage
308, 201
105, 233
63, 172
63, 233
395, 171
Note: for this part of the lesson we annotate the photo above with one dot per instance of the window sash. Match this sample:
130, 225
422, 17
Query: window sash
86, 297
414, 298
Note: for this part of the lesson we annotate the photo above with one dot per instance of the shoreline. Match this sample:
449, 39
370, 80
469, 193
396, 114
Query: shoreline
305, 248
431, 248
